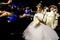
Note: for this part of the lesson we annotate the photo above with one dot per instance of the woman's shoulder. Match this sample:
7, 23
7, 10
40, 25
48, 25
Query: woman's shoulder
36, 14
39, 14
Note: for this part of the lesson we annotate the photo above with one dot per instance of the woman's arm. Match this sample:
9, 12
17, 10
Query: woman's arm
9, 1
4, 14
40, 20
22, 16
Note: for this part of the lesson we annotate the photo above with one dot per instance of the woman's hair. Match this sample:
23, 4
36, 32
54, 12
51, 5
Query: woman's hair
55, 7
39, 9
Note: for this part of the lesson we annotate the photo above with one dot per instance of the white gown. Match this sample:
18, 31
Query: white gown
42, 32
50, 19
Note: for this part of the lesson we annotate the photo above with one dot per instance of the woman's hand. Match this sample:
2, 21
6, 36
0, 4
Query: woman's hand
22, 16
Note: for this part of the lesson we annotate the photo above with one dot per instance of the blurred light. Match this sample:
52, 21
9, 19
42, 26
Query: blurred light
59, 3
12, 33
31, 18
41, 1
14, 5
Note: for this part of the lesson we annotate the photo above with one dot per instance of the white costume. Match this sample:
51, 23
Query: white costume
40, 32
50, 19
56, 20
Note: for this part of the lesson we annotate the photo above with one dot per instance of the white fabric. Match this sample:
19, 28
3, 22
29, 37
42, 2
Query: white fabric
50, 19
42, 32
56, 20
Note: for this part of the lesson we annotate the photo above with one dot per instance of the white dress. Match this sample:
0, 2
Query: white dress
42, 32
50, 19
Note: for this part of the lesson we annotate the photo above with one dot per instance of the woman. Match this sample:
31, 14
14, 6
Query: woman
51, 18
37, 30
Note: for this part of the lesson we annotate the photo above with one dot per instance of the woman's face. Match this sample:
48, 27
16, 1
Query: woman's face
52, 8
39, 10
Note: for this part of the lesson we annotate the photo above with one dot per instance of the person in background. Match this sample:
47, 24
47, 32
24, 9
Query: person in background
26, 13
8, 2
